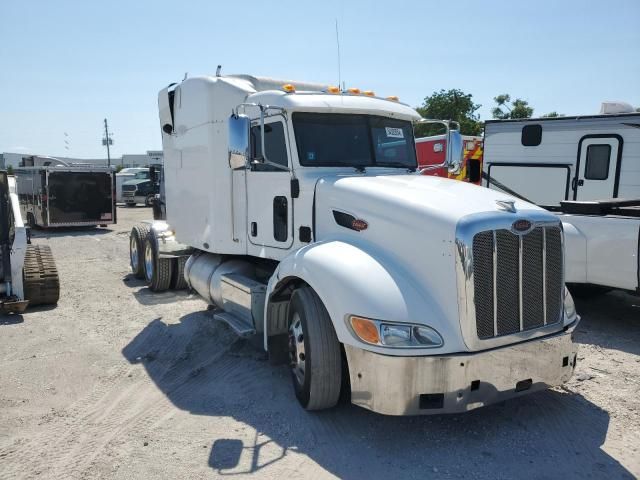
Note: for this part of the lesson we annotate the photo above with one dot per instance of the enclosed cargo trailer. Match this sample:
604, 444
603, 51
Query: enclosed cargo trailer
67, 196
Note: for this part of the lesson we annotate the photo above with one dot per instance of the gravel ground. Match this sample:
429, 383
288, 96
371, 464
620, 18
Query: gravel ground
116, 382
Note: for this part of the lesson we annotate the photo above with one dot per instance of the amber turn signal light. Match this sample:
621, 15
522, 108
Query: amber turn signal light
365, 329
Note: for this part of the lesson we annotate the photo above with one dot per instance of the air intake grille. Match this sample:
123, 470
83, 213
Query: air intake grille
517, 280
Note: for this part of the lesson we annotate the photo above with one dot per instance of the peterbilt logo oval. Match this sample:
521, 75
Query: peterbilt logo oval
521, 226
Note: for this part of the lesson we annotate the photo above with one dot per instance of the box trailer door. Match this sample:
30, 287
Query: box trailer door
598, 163
80, 198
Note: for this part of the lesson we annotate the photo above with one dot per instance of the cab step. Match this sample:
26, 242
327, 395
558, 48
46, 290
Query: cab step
241, 327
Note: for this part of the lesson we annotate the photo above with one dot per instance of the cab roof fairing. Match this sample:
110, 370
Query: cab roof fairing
323, 102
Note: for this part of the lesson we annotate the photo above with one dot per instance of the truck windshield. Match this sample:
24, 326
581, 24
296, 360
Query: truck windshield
346, 140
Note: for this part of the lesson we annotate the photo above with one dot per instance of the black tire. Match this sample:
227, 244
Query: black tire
138, 235
178, 281
320, 385
148, 202
40, 276
157, 271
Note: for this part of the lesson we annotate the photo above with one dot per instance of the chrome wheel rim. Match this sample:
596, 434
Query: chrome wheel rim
148, 262
297, 354
133, 249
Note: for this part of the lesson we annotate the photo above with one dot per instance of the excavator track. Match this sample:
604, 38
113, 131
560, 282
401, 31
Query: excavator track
41, 281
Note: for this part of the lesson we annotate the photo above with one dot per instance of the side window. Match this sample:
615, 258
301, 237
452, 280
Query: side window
598, 158
531, 135
274, 142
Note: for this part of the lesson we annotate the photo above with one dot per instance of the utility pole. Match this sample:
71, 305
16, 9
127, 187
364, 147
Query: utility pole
107, 140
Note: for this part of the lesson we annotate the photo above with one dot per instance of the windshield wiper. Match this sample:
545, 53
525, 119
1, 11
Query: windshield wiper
359, 168
395, 165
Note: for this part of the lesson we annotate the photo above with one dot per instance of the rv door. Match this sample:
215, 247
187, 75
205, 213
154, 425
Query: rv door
597, 168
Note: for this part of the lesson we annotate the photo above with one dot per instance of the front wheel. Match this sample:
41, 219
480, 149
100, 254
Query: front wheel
148, 201
314, 352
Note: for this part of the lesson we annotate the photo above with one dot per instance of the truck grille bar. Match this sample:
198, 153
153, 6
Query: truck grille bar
517, 280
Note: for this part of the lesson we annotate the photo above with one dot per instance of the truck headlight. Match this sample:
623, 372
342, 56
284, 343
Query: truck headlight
399, 335
569, 305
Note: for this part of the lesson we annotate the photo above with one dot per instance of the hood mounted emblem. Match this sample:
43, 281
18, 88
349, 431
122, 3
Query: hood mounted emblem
506, 205
522, 226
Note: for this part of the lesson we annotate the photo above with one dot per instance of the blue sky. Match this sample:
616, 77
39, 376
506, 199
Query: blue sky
66, 65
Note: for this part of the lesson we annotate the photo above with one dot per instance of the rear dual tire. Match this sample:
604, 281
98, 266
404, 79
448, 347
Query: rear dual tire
159, 273
157, 270
138, 236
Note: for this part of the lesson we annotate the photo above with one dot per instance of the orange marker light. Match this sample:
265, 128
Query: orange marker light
393, 98
365, 329
354, 91
289, 88
333, 89
369, 93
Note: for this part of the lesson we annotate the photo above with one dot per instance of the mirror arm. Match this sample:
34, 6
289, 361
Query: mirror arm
445, 123
448, 124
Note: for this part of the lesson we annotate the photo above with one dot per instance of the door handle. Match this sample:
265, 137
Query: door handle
576, 183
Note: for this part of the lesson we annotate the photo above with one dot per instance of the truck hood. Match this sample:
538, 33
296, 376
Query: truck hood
402, 197
411, 235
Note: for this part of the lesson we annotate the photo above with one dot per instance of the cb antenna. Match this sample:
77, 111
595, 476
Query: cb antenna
338, 45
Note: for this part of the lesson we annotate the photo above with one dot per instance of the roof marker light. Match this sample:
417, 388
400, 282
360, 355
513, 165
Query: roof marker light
289, 88
354, 91
369, 93
393, 98
333, 89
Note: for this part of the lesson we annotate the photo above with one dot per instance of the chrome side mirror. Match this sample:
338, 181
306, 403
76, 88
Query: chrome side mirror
454, 147
239, 141
455, 150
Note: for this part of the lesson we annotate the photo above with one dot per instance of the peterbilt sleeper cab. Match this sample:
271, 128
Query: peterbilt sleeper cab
298, 211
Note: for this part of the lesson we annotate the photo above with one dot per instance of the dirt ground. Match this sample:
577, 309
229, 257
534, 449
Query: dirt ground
117, 382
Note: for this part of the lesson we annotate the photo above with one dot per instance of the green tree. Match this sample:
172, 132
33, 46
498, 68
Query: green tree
450, 104
10, 170
553, 114
506, 109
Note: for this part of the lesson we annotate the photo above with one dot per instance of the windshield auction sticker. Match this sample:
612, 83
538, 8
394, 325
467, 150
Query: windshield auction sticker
394, 132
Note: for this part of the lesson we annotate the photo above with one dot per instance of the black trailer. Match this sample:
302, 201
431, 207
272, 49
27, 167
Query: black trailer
67, 196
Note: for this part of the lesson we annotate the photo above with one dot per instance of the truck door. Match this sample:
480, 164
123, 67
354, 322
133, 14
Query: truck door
597, 168
269, 207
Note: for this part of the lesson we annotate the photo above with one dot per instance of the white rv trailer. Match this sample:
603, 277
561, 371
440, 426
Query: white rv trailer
587, 170
303, 219
549, 160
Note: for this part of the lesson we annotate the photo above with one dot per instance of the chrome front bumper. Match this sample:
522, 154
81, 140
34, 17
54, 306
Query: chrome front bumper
461, 382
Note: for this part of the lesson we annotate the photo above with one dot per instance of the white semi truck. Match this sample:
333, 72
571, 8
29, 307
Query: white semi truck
296, 210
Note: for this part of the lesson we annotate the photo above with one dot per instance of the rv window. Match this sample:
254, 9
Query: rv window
531, 135
274, 143
597, 167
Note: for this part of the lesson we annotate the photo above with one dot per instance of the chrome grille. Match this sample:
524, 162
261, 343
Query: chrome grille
517, 280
